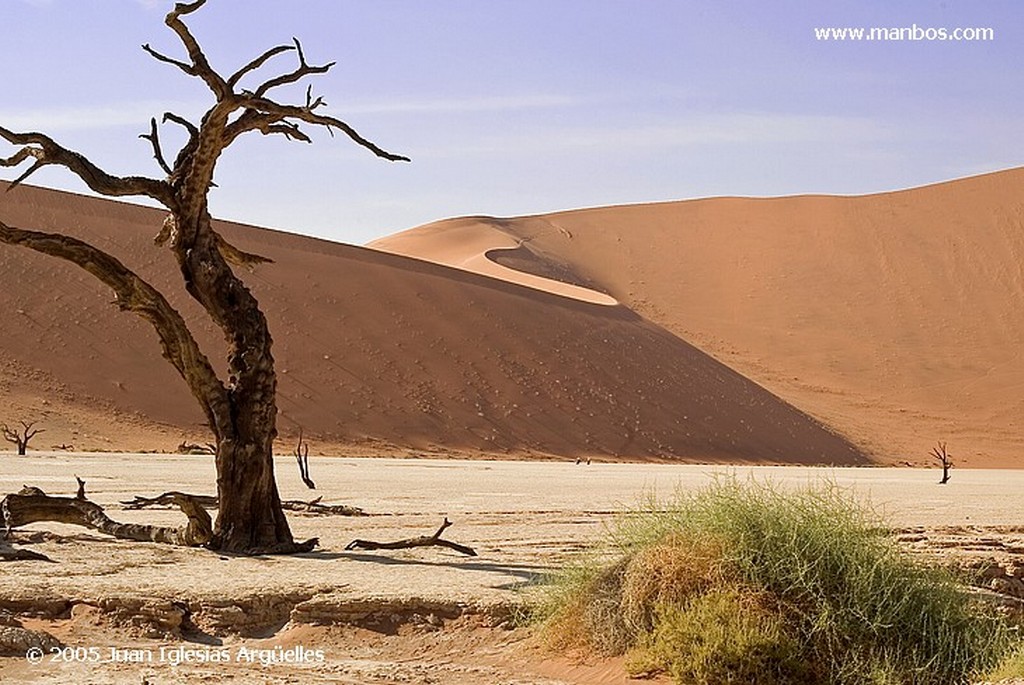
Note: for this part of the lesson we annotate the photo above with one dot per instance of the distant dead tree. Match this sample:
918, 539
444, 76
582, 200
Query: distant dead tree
242, 409
944, 458
21, 439
302, 457
186, 447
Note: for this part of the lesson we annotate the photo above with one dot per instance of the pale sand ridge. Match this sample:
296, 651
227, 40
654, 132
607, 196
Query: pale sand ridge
473, 244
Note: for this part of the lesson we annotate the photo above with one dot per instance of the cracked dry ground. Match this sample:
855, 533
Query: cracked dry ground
414, 616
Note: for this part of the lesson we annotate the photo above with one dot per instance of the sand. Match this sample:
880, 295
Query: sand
420, 616
378, 354
808, 329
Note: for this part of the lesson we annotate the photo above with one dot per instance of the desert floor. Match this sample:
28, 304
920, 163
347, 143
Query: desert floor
415, 616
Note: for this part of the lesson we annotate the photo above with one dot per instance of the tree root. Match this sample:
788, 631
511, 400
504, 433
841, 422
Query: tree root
423, 541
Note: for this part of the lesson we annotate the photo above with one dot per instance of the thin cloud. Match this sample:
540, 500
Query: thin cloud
494, 103
89, 117
692, 131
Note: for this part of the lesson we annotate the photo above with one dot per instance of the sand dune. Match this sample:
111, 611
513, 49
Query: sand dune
897, 318
379, 353
480, 245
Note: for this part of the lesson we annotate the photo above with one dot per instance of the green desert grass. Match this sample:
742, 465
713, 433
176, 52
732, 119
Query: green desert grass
742, 583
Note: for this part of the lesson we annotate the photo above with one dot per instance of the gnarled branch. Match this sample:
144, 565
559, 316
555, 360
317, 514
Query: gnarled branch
136, 295
298, 74
316, 507
270, 112
200, 65
257, 63
46, 152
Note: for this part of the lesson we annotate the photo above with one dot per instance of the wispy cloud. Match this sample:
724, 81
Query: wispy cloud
688, 131
89, 117
85, 117
487, 103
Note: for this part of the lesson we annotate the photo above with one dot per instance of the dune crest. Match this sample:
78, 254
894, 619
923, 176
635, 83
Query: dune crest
478, 245
895, 318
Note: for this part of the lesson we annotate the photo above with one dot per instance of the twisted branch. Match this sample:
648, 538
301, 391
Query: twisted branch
266, 112
47, 152
200, 65
32, 505
304, 69
257, 63
434, 540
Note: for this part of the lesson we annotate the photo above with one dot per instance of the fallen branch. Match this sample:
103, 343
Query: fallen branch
210, 502
315, 507
434, 540
163, 501
32, 505
192, 448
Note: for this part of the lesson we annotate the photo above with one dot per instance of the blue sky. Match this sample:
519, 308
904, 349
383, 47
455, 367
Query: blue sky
518, 107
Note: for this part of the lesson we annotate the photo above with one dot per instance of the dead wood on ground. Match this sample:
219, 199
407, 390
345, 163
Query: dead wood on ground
434, 540
32, 505
313, 506
9, 553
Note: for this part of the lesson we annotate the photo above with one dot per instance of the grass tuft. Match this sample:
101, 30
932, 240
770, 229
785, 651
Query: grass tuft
745, 583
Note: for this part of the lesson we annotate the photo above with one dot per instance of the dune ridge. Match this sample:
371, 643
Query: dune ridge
895, 318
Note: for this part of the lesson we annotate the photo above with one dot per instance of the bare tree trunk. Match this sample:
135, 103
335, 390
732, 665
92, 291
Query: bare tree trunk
250, 518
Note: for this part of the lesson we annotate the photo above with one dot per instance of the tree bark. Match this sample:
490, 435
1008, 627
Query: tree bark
250, 518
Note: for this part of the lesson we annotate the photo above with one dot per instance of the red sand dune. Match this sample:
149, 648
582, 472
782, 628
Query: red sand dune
386, 354
897, 319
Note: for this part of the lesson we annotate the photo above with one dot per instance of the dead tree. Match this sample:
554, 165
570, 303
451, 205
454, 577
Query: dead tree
302, 457
434, 540
242, 410
21, 439
944, 458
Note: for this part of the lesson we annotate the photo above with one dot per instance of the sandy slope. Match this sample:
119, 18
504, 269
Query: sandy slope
895, 318
378, 351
